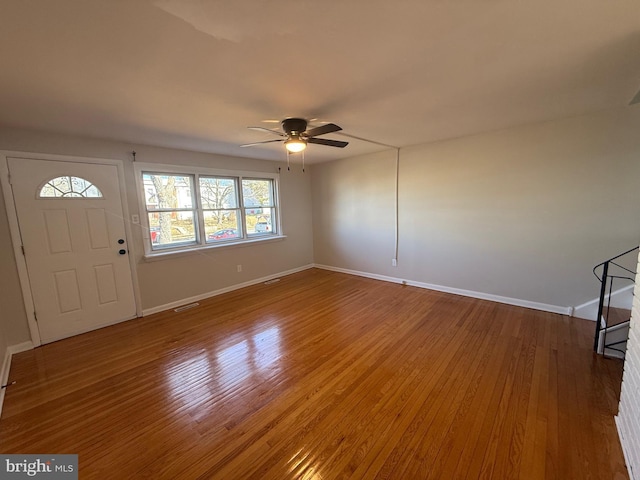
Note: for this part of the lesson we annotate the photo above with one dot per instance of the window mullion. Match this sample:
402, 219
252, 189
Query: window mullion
199, 211
242, 210
160, 210
272, 204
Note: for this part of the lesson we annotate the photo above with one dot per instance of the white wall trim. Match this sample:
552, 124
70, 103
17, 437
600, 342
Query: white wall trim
16, 240
456, 291
4, 375
6, 365
627, 455
20, 347
231, 288
160, 255
619, 297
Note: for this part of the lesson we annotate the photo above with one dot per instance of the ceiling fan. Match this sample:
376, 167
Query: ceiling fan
296, 136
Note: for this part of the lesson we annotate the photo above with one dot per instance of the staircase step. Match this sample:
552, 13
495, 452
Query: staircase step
617, 316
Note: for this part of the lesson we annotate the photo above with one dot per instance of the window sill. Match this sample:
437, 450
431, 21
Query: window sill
166, 254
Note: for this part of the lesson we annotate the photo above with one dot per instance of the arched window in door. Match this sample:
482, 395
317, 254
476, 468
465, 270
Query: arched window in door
69, 187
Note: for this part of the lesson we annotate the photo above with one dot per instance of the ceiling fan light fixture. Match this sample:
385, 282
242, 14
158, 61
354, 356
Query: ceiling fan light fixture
295, 145
295, 135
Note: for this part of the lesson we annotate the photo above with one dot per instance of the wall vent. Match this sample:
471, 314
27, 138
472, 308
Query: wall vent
186, 307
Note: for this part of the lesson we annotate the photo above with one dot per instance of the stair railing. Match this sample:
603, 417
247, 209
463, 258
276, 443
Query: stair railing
606, 283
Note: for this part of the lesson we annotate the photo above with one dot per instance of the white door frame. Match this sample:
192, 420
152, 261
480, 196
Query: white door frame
16, 239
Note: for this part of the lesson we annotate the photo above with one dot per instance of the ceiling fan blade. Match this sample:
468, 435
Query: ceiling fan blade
329, 143
321, 130
260, 143
262, 129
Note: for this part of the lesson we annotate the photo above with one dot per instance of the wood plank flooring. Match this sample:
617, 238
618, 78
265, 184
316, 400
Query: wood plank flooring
324, 376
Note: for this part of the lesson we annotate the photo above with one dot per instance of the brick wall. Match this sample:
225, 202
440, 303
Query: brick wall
628, 418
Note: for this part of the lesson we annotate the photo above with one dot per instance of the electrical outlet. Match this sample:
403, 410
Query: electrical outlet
239, 267
394, 262
135, 218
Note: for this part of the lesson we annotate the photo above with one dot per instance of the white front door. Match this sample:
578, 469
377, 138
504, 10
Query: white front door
72, 227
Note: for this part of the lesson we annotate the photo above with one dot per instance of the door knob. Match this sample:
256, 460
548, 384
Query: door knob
121, 241
122, 251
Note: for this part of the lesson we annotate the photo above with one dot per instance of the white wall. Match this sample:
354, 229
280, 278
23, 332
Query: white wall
628, 419
13, 320
353, 212
523, 213
172, 279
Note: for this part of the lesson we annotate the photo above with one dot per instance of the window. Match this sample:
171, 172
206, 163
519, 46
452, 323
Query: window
259, 205
219, 196
171, 212
69, 187
203, 208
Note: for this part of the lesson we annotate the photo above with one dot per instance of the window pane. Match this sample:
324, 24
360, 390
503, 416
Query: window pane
257, 193
259, 221
93, 192
221, 225
171, 228
167, 191
70, 187
217, 192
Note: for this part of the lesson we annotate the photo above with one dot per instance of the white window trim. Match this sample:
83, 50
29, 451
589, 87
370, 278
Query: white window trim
180, 250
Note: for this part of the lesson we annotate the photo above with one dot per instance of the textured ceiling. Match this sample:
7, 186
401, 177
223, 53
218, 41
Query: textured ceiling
194, 74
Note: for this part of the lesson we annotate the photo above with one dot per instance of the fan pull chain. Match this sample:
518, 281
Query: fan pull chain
288, 167
303, 161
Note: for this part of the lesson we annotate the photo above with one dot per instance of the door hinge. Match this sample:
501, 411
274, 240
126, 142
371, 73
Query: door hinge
35, 316
22, 247
9, 178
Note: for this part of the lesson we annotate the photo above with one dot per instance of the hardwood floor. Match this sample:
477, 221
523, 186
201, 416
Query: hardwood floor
323, 376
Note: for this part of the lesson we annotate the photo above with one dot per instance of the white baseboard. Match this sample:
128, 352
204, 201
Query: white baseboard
6, 365
456, 291
20, 347
621, 298
185, 301
627, 455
